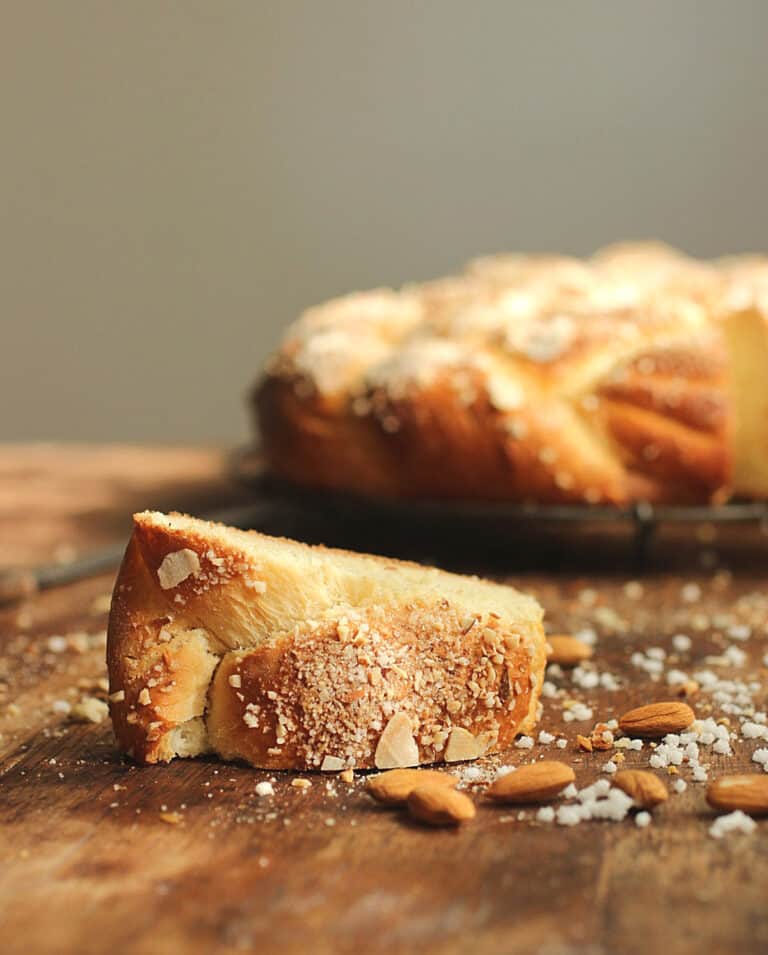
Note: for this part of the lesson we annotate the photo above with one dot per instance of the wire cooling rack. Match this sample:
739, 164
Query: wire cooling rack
277, 506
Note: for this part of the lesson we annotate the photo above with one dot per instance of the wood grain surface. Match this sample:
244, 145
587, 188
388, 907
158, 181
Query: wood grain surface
99, 855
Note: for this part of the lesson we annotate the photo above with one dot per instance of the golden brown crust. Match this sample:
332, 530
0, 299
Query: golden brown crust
330, 694
218, 640
527, 378
159, 665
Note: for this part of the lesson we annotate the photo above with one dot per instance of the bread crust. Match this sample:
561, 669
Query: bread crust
527, 379
202, 660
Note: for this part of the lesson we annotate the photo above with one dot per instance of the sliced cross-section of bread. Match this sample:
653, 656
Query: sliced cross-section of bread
296, 657
746, 333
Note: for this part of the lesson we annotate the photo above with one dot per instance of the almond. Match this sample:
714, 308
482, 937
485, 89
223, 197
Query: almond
657, 719
396, 747
567, 650
646, 789
394, 788
461, 745
537, 782
440, 806
176, 567
748, 792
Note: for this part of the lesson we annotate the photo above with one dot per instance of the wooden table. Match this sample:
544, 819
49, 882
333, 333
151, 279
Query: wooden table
102, 856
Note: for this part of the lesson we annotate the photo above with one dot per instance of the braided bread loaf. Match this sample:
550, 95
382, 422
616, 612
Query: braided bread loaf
526, 378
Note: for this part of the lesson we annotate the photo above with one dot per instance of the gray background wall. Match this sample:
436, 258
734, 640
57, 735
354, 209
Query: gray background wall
180, 179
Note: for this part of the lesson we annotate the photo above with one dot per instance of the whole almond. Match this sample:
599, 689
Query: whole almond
567, 650
748, 792
657, 719
394, 788
537, 782
438, 805
646, 789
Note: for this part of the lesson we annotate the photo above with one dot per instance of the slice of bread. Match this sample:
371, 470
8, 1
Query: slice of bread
296, 657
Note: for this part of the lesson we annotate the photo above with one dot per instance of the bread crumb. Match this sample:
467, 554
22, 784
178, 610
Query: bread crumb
90, 709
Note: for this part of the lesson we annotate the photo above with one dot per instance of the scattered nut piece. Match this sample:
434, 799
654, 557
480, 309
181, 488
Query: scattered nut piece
348, 775
687, 689
301, 783
172, 818
646, 789
394, 787
598, 737
584, 743
567, 650
746, 791
439, 805
537, 782
657, 719
89, 709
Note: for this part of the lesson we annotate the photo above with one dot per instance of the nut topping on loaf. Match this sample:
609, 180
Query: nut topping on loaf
527, 378
294, 657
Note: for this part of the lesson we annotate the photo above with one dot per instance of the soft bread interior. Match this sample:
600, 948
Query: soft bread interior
301, 582
747, 340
